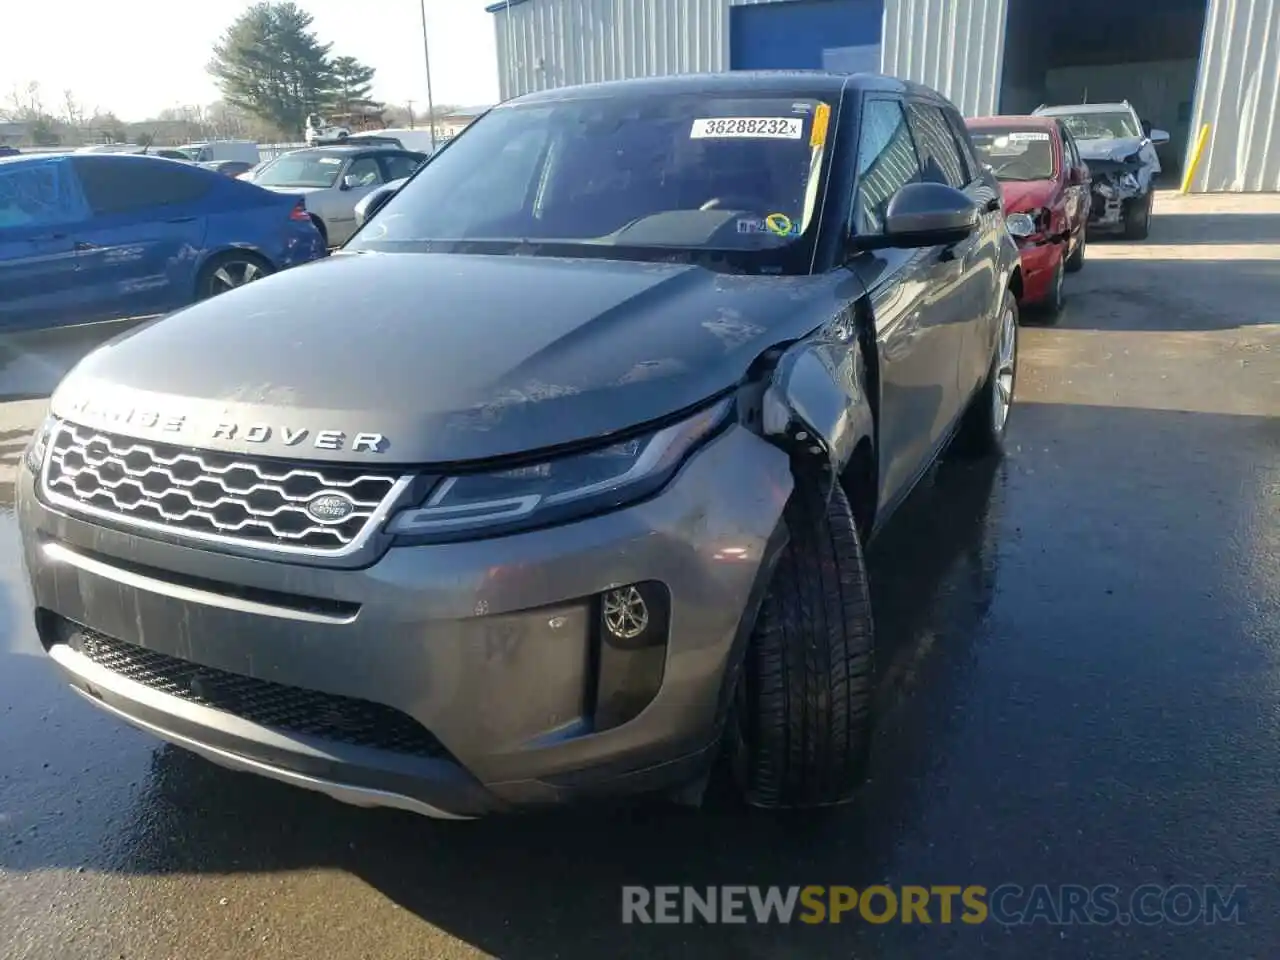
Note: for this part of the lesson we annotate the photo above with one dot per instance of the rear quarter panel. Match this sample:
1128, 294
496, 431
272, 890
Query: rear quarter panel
248, 217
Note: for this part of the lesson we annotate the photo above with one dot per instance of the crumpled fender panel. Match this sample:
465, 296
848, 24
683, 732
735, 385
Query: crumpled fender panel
817, 403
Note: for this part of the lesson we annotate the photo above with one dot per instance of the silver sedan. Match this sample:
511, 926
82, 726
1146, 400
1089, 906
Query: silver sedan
333, 180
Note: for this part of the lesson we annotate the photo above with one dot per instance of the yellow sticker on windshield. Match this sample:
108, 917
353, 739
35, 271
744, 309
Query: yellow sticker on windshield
821, 118
778, 223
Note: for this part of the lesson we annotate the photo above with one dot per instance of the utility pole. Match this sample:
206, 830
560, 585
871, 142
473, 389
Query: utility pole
426, 57
410, 104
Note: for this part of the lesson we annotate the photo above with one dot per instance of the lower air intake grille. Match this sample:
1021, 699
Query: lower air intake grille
292, 709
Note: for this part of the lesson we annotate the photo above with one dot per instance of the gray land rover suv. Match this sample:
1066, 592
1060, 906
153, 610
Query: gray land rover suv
553, 482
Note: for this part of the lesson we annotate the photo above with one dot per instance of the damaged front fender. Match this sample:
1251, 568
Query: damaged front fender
817, 404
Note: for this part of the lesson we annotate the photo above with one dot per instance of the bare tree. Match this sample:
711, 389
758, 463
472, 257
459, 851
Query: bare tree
72, 109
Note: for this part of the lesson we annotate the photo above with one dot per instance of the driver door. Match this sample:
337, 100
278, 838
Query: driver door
915, 336
362, 176
1077, 193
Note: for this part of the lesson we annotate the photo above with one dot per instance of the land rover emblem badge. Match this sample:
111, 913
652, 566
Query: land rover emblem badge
330, 507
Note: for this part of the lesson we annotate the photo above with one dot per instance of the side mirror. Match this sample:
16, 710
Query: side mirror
927, 215
349, 182
371, 204
1159, 137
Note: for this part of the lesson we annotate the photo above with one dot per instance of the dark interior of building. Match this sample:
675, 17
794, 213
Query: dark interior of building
1106, 50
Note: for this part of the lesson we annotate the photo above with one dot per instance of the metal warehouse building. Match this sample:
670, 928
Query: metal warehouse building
1182, 63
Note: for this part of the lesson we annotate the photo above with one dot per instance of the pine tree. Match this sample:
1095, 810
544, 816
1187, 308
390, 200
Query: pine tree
270, 64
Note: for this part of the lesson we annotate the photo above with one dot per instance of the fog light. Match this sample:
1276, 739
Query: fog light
629, 652
626, 615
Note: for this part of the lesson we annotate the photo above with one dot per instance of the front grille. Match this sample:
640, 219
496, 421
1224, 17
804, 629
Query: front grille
209, 495
290, 709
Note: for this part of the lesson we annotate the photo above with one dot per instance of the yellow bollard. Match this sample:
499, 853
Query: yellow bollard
1195, 158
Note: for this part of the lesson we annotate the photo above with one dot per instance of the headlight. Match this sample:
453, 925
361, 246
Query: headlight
1020, 224
38, 447
504, 501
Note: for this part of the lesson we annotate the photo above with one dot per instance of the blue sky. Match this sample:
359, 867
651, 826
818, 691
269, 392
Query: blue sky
138, 57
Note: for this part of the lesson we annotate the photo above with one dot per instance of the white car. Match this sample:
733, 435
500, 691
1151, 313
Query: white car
212, 151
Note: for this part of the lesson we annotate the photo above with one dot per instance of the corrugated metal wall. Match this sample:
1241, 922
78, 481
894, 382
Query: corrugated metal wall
1238, 95
955, 46
552, 43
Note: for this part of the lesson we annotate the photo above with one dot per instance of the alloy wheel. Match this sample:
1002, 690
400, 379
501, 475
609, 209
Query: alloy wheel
1006, 362
234, 273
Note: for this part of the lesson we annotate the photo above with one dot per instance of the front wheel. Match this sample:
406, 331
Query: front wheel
1051, 309
1137, 218
982, 431
1075, 262
801, 727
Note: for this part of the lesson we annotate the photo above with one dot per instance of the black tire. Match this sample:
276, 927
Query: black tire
1051, 309
981, 432
238, 267
1075, 262
1137, 218
801, 728
324, 231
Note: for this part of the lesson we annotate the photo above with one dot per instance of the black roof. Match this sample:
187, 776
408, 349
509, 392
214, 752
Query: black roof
782, 82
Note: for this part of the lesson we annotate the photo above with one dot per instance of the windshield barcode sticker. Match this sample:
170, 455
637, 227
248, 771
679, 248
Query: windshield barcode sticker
769, 128
1024, 135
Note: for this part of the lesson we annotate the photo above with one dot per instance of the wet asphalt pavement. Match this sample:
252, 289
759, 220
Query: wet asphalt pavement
1080, 655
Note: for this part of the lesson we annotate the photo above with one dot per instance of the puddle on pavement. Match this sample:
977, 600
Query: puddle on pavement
17, 635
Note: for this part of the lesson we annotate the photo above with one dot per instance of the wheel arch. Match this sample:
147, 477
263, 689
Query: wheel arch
1015, 281
321, 226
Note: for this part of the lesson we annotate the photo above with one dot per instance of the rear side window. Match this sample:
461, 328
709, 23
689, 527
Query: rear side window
939, 156
120, 185
887, 161
401, 165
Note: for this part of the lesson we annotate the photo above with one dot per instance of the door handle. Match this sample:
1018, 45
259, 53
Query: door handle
181, 220
85, 246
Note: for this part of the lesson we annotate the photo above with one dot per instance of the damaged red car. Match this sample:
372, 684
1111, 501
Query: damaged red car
1046, 199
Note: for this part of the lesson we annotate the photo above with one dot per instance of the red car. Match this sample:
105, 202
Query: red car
1046, 198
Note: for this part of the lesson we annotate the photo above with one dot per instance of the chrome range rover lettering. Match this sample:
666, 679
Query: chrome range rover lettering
94, 413
293, 436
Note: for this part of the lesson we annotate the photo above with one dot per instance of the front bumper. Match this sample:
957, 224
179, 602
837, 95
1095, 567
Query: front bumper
478, 671
1039, 264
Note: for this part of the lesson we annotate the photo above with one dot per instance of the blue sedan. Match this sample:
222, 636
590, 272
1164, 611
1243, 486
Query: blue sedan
92, 237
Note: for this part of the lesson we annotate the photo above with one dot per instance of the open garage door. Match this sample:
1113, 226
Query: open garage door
840, 35
1095, 51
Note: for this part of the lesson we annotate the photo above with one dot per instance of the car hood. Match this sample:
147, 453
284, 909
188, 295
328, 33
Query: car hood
1116, 149
449, 357
1022, 196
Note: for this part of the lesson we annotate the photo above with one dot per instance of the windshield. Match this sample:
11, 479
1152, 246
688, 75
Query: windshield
302, 169
719, 181
1101, 126
1015, 154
